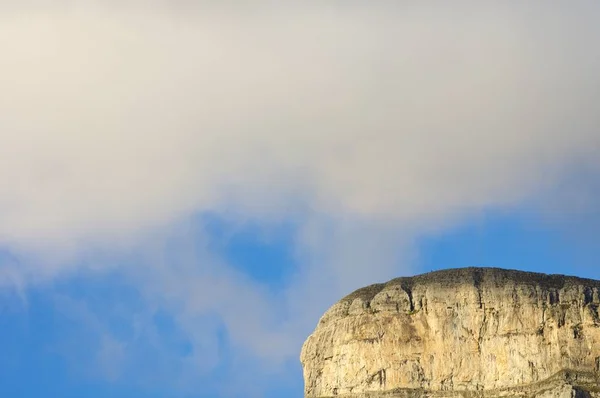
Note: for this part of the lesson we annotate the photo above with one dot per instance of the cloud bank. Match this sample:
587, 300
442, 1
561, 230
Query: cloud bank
366, 124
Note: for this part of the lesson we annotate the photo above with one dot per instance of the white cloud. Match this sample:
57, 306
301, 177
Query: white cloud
374, 122
116, 120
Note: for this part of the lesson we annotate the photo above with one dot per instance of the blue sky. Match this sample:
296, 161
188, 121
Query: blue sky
185, 188
49, 350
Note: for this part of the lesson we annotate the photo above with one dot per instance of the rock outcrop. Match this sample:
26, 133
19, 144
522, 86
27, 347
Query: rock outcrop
472, 332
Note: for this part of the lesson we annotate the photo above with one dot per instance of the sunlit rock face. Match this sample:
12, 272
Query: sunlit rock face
472, 332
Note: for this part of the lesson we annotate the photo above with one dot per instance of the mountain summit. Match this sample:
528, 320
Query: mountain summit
470, 332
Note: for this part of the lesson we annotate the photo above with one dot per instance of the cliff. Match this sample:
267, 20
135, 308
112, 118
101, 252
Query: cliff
472, 332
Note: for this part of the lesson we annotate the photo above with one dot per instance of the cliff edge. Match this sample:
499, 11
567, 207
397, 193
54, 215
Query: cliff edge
471, 332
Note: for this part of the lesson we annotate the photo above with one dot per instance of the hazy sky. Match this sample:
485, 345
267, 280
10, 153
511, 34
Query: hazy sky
185, 187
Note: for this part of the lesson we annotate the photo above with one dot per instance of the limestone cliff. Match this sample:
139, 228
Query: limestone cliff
472, 332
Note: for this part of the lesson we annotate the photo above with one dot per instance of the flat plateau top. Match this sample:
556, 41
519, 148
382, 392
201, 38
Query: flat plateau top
475, 276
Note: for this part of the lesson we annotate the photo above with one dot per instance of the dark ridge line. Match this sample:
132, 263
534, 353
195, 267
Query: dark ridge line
475, 276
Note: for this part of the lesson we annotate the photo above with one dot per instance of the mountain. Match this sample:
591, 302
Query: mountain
470, 332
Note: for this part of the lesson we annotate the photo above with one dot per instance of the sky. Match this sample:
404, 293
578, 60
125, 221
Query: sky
186, 186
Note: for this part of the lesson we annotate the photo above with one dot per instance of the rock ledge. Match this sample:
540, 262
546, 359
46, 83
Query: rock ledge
471, 332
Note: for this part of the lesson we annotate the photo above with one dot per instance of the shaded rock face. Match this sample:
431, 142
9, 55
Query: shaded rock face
473, 332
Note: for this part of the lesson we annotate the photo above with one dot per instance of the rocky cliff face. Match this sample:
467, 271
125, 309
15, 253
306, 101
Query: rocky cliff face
473, 332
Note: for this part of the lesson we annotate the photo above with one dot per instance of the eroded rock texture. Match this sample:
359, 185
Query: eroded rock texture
473, 332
